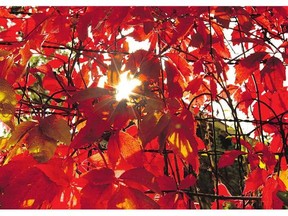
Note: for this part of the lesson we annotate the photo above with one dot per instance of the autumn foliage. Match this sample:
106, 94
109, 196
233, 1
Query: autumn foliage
69, 144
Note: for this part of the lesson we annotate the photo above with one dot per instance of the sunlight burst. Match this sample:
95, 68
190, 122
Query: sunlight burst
126, 86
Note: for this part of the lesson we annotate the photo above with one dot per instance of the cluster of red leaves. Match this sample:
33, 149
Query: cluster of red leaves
131, 154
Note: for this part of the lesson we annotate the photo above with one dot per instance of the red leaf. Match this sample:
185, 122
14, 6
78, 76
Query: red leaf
54, 170
187, 182
96, 196
113, 149
255, 179
121, 115
194, 85
143, 177
146, 134
198, 67
276, 144
129, 198
25, 186
273, 74
166, 183
89, 93
213, 88
93, 129
245, 99
168, 200
182, 29
180, 63
223, 190
228, 158
100, 176
173, 78
148, 27
146, 63
248, 65
269, 197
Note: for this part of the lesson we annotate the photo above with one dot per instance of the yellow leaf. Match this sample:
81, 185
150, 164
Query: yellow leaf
181, 144
3, 142
7, 102
56, 128
40, 146
284, 177
126, 204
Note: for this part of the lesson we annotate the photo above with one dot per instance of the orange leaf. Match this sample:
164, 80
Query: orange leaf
25, 53
130, 149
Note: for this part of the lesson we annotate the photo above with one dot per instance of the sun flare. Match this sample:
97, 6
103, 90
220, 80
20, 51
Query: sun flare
126, 85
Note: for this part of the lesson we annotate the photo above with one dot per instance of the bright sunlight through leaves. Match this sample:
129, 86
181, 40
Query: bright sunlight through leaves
126, 85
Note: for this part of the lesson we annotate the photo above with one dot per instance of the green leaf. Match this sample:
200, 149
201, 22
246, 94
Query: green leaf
56, 128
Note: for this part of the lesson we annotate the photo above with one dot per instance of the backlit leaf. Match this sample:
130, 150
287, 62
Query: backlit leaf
143, 177
89, 93
113, 149
100, 176
96, 196
56, 128
129, 198
248, 65
7, 102
182, 139
40, 146
25, 53
173, 79
20, 131
273, 74
159, 125
130, 149
194, 85
284, 177
25, 186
